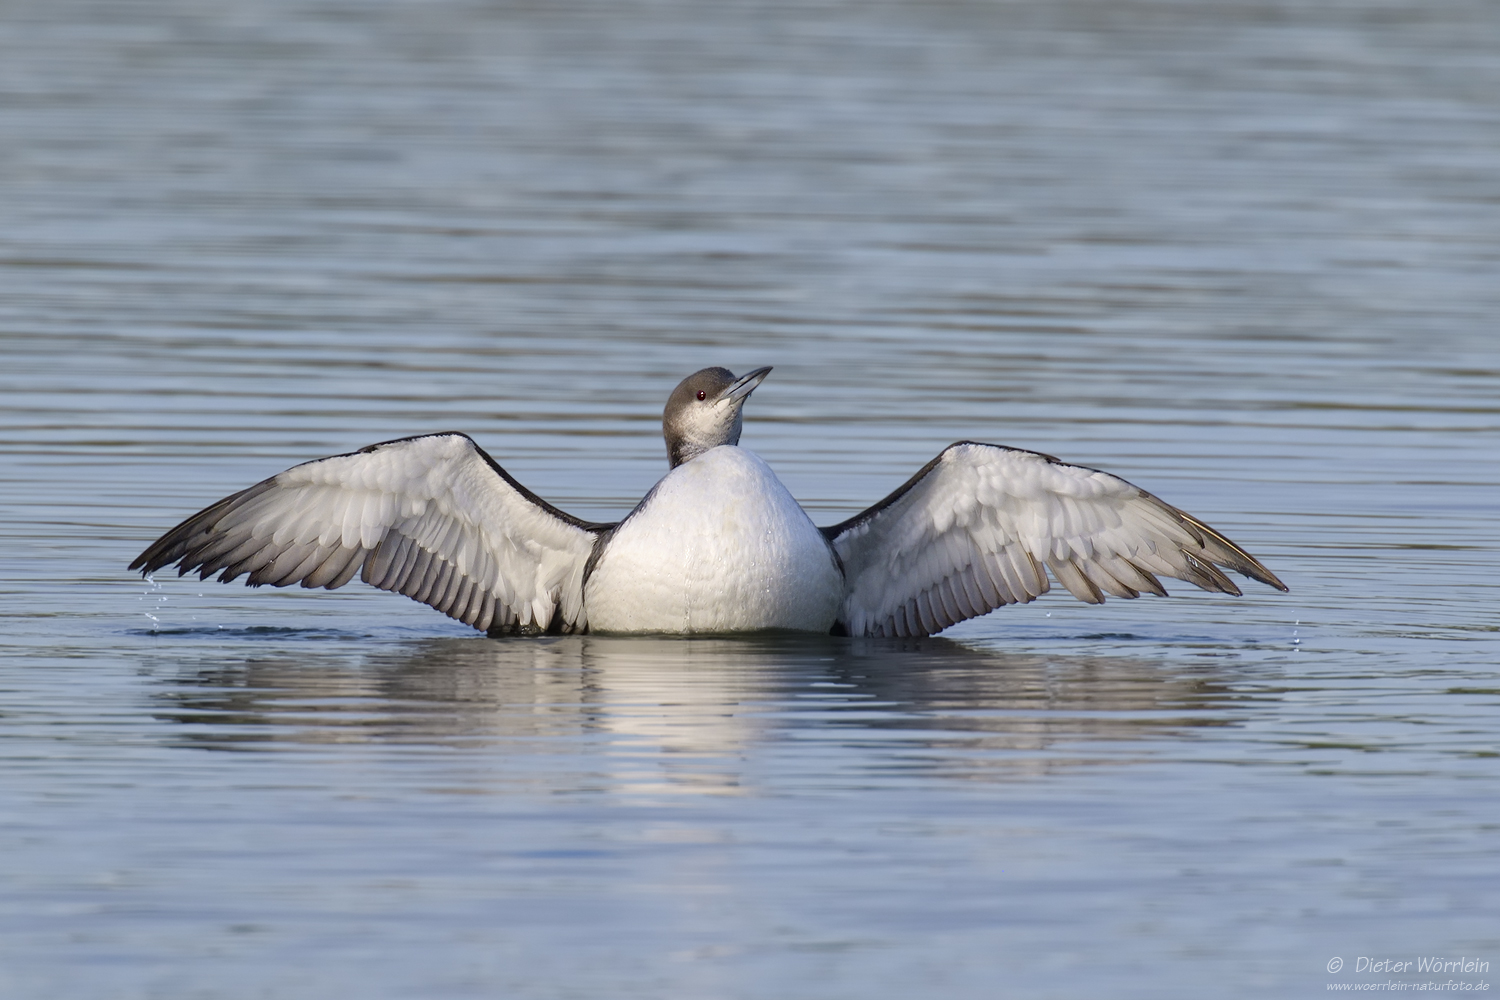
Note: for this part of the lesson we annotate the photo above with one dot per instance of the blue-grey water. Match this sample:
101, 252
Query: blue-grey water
1246, 255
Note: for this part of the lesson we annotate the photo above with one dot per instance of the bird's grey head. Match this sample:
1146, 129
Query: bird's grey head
703, 412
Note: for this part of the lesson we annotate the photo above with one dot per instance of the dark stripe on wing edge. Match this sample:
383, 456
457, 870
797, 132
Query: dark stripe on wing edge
178, 541
1241, 561
530, 497
834, 531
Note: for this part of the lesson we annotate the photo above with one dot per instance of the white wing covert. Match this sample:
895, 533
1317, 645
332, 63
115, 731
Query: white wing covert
981, 524
432, 517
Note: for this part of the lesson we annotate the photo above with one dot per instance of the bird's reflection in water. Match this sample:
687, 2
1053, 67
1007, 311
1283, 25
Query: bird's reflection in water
683, 715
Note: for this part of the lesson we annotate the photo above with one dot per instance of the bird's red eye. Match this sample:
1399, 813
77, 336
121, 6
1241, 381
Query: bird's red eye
702, 395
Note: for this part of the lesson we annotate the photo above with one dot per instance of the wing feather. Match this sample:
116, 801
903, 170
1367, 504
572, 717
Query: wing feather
1071, 575
340, 565
431, 517
974, 529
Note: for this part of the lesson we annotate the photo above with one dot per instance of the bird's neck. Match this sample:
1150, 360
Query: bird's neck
686, 443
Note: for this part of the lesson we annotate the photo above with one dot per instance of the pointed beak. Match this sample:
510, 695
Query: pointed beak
745, 385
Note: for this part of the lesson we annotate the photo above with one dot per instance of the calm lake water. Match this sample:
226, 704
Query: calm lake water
1245, 255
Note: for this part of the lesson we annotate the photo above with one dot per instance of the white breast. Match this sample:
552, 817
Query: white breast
719, 545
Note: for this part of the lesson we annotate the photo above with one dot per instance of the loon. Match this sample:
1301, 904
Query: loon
718, 545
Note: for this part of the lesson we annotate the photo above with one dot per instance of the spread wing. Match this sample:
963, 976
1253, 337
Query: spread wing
980, 525
431, 517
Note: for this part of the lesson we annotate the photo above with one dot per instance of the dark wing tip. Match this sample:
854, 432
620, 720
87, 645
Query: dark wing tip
180, 543
146, 565
1226, 553
165, 550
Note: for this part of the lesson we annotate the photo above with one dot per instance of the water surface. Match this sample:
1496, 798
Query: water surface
1242, 255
